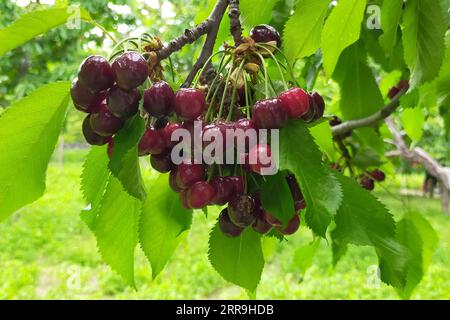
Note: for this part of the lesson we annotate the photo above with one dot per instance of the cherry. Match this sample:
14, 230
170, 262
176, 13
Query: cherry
237, 183
91, 137
292, 226
264, 33
173, 180
159, 100
269, 114
152, 142
123, 104
257, 155
168, 131
184, 199
105, 123
367, 183
335, 121
393, 92
296, 102
319, 104
130, 70
200, 194
227, 227
241, 210
271, 219
224, 190
110, 149
188, 174
83, 99
96, 74
162, 162
261, 226
403, 84
247, 126
378, 175
297, 195
190, 103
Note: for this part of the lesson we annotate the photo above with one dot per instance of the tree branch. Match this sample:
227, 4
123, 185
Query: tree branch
370, 121
235, 24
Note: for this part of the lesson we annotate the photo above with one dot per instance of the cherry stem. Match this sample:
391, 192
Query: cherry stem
109, 35
206, 65
266, 75
233, 93
286, 87
289, 67
247, 97
222, 102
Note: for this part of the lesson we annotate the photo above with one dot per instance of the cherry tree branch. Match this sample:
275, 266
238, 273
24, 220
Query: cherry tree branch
235, 24
370, 121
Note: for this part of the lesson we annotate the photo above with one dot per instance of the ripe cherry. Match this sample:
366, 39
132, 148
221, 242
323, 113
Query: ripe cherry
264, 33
96, 74
162, 162
168, 131
123, 103
261, 226
184, 199
259, 158
403, 85
188, 174
152, 142
248, 128
393, 92
130, 70
269, 114
200, 194
367, 183
104, 123
227, 227
159, 100
241, 210
237, 183
319, 105
292, 226
91, 137
271, 219
173, 180
296, 102
378, 175
224, 190
190, 103
83, 99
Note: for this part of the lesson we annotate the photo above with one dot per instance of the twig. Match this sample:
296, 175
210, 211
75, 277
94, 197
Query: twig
235, 24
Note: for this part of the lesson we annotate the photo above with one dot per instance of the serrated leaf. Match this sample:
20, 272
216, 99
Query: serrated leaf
410, 99
116, 229
338, 251
413, 121
391, 13
362, 220
29, 130
341, 29
423, 39
124, 162
163, 222
360, 94
36, 23
308, 17
304, 256
323, 136
238, 260
276, 197
254, 12
300, 155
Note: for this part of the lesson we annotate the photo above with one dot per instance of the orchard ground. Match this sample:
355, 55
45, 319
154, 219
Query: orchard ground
47, 252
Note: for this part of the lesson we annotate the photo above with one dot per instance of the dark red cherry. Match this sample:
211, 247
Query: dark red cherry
190, 103
188, 174
271, 219
91, 137
242, 210
393, 92
123, 103
227, 227
264, 33
261, 226
295, 101
159, 100
297, 195
367, 183
269, 114
130, 70
237, 183
184, 199
403, 85
104, 123
152, 142
173, 180
96, 74
200, 194
162, 162
259, 158
319, 105
378, 175
168, 131
292, 226
224, 190
83, 99
248, 135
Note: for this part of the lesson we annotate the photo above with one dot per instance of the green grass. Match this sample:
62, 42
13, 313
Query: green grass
46, 252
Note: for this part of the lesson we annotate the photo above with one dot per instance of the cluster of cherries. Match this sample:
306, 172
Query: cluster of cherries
109, 94
368, 180
402, 85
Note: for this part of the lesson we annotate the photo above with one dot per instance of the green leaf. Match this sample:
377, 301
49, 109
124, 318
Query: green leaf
413, 121
254, 12
304, 256
423, 39
391, 13
276, 197
360, 94
338, 251
29, 130
362, 220
308, 17
410, 99
125, 160
323, 136
116, 229
341, 29
300, 155
36, 23
163, 222
238, 260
